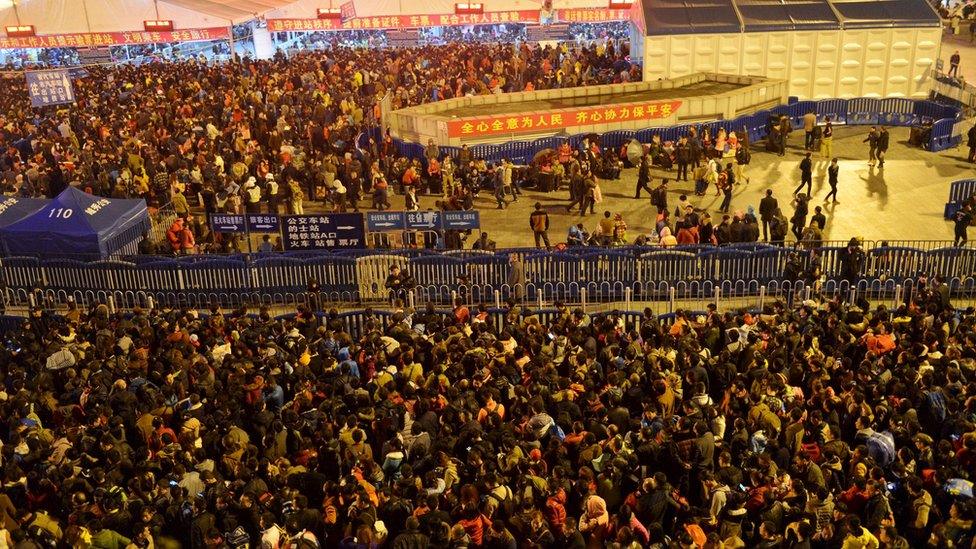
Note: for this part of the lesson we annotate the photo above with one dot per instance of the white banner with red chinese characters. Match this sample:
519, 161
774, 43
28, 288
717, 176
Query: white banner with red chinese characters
94, 39
404, 21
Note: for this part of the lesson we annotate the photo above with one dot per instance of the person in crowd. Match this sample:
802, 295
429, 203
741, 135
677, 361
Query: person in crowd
961, 221
883, 143
954, 60
827, 139
833, 175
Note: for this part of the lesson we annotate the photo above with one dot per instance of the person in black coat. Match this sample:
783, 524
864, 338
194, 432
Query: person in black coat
643, 176
767, 209
883, 140
852, 261
806, 175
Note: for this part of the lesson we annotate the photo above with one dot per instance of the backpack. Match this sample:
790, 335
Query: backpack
812, 451
936, 405
557, 431
506, 506
881, 447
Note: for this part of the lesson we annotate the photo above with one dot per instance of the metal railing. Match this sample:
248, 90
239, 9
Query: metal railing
577, 275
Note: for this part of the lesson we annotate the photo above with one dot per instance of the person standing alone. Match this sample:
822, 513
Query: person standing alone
827, 140
809, 123
833, 171
767, 209
954, 64
962, 219
539, 222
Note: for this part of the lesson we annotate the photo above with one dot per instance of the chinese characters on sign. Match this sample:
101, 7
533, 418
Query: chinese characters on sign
222, 223
347, 11
403, 21
263, 223
49, 88
538, 122
319, 232
592, 15
377, 222
90, 39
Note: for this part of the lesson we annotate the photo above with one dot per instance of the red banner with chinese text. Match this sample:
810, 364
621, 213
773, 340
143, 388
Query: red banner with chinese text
95, 39
486, 126
404, 21
591, 15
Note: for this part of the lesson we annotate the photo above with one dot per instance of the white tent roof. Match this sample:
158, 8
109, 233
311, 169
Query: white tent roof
74, 16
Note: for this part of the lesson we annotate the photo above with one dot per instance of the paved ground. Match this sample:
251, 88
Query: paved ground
691, 90
904, 200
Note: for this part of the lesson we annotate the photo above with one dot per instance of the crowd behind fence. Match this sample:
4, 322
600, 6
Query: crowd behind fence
575, 275
940, 118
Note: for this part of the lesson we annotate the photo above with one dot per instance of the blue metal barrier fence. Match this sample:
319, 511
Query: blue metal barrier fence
573, 275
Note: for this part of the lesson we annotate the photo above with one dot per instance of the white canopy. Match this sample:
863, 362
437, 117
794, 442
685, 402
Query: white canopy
79, 16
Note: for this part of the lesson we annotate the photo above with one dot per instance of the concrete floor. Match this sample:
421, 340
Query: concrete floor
902, 201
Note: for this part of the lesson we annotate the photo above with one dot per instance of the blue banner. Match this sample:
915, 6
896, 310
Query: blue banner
49, 88
227, 223
461, 221
263, 223
320, 232
377, 222
429, 220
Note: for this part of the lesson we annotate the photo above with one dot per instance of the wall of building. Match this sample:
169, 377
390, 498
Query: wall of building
815, 64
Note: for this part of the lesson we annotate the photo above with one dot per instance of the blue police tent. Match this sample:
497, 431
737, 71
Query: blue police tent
81, 226
15, 208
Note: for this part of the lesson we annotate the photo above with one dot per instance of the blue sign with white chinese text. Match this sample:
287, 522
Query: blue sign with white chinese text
461, 221
50, 88
428, 220
377, 222
323, 231
227, 223
263, 223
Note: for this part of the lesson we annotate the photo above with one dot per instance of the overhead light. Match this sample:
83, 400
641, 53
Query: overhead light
328, 13
20, 31
468, 8
621, 4
160, 25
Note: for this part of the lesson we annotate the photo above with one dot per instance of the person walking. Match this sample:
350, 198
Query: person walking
799, 219
590, 190
872, 141
767, 209
882, 146
962, 219
832, 175
806, 175
954, 64
539, 223
728, 182
809, 123
644, 176
827, 139
818, 218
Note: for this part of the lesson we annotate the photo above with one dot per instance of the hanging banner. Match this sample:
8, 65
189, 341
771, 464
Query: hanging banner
347, 11
49, 88
505, 124
96, 39
403, 21
592, 15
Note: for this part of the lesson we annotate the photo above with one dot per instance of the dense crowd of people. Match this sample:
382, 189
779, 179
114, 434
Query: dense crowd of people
268, 134
817, 425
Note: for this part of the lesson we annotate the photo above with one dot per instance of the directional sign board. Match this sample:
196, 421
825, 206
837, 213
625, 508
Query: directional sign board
325, 231
50, 88
378, 222
227, 223
461, 221
263, 223
429, 220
